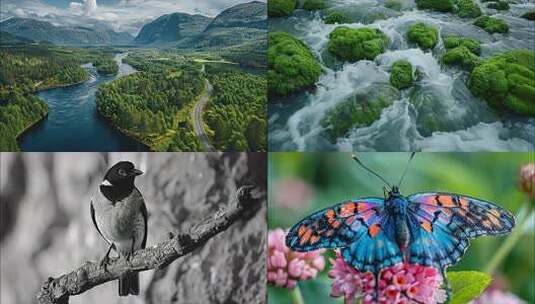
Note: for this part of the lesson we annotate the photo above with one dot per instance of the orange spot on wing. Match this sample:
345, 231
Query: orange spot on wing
350, 220
487, 223
314, 239
301, 230
427, 226
348, 209
335, 224
374, 229
330, 213
446, 200
495, 221
495, 213
362, 207
463, 202
306, 237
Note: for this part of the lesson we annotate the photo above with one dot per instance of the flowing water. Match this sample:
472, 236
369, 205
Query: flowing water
73, 123
463, 122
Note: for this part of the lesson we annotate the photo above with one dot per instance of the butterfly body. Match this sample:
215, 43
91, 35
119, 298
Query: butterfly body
428, 229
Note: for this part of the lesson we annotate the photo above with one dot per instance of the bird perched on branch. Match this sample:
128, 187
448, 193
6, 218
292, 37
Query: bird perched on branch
120, 216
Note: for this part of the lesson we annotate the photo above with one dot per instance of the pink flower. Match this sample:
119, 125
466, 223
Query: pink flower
527, 179
285, 267
496, 296
401, 283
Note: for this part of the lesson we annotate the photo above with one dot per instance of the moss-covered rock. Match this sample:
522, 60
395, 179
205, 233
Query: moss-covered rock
292, 66
359, 110
528, 15
357, 44
507, 81
336, 17
401, 75
454, 41
468, 9
436, 5
281, 8
492, 25
424, 35
499, 5
461, 56
313, 5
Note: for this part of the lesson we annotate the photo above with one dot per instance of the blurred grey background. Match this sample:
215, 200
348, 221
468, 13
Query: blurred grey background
46, 228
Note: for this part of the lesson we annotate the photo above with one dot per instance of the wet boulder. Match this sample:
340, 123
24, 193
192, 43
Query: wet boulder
492, 25
357, 44
292, 66
401, 75
281, 8
425, 36
507, 81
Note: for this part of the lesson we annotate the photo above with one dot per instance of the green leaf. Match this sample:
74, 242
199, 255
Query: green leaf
467, 285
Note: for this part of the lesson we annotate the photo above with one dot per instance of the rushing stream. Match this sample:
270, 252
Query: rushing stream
466, 123
73, 123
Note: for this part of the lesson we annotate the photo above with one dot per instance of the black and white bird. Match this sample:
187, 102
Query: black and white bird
120, 216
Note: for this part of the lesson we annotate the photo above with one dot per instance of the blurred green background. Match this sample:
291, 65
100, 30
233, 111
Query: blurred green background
300, 183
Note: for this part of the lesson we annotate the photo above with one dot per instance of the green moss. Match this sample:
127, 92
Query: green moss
468, 9
507, 81
437, 5
529, 15
357, 44
393, 4
500, 5
492, 25
281, 8
312, 5
336, 17
401, 74
292, 66
358, 111
461, 56
424, 35
454, 41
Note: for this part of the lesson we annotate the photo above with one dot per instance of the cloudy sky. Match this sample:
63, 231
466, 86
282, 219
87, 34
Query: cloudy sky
121, 15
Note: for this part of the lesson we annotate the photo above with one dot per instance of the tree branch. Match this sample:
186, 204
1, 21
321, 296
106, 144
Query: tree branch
90, 274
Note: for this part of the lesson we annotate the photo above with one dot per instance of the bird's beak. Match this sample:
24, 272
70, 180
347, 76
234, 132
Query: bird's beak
136, 172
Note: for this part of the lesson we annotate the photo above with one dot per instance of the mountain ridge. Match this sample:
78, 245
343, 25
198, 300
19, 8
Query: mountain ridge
38, 30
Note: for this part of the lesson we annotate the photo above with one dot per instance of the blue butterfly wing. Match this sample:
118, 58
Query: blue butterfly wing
375, 248
441, 225
360, 227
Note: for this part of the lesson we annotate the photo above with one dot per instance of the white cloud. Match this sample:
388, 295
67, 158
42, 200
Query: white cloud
88, 8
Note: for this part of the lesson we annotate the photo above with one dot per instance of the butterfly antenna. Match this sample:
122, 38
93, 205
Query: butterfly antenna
406, 168
354, 156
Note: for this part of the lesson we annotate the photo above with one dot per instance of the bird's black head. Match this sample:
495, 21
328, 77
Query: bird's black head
118, 182
122, 173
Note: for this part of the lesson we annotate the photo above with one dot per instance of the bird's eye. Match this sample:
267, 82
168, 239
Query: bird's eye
121, 172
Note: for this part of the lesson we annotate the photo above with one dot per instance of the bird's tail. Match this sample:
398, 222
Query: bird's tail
129, 284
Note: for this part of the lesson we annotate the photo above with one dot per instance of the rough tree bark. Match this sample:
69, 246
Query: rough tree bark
91, 274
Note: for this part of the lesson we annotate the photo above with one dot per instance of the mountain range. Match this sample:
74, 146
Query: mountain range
38, 31
241, 24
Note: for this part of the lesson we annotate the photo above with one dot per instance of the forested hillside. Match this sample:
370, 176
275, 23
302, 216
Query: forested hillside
153, 107
237, 111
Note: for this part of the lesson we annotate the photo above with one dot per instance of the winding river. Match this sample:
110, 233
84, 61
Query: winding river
73, 123
464, 123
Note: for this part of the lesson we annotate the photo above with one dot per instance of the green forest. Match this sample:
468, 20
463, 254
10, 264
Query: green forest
106, 65
25, 70
153, 107
236, 114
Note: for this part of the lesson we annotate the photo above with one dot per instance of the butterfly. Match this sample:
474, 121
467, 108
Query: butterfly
428, 229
